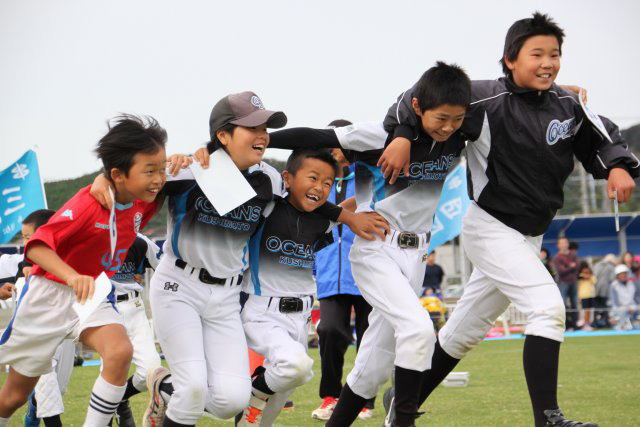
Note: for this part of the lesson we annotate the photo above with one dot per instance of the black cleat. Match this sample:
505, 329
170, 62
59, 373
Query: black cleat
555, 418
387, 402
124, 416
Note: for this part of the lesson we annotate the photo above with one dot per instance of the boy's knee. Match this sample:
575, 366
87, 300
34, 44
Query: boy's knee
301, 369
548, 321
118, 355
294, 372
13, 400
231, 400
329, 331
420, 337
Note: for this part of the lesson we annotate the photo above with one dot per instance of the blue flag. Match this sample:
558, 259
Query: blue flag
21, 192
453, 204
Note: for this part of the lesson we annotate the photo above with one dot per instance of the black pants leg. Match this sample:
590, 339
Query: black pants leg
334, 333
362, 310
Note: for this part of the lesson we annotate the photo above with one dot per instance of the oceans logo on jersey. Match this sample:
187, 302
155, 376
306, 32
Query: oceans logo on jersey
293, 253
240, 218
126, 272
558, 130
434, 170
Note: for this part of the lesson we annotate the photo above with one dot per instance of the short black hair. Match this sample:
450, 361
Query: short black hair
38, 218
443, 84
338, 123
539, 25
294, 162
127, 136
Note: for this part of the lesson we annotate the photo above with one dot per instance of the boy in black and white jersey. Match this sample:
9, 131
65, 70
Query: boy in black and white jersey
195, 291
280, 288
389, 273
524, 132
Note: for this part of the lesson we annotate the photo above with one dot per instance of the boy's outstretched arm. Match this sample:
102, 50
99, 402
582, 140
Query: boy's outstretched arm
366, 225
401, 122
395, 158
41, 254
303, 137
100, 191
608, 160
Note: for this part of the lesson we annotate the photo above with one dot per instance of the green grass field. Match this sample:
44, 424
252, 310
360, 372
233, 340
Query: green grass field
599, 381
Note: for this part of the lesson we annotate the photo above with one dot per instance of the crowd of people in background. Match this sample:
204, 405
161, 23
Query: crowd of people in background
603, 295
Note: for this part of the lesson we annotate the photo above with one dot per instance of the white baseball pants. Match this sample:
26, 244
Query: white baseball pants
145, 356
400, 331
507, 268
282, 338
200, 332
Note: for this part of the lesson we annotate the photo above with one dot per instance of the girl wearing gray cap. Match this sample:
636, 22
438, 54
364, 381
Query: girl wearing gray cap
195, 292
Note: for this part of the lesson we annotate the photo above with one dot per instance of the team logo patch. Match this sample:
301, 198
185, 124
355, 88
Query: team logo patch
558, 130
68, 213
256, 102
137, 220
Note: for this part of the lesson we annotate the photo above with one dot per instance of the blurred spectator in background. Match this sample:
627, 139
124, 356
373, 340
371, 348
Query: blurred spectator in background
566, 264
546, 260
623, 299
586, 294
338, 296
605, 275
433, 275
434, 305
632, 265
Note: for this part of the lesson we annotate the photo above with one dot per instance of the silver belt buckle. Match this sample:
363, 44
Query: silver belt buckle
408, 240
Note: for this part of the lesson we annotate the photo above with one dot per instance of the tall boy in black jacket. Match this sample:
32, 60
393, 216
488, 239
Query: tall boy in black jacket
523, 133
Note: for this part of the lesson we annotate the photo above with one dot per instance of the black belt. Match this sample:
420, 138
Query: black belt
205, 277
292, 305
125, 297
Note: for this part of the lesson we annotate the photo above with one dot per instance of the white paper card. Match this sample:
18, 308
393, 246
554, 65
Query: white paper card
222, 182
102, 289
594, 118
113, 230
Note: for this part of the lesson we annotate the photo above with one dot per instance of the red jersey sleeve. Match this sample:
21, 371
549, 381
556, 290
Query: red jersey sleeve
73, 216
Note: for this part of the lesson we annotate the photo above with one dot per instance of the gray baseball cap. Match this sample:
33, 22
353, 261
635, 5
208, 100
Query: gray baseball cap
243, 109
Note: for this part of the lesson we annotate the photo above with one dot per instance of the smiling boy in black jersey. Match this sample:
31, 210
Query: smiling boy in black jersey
280, 288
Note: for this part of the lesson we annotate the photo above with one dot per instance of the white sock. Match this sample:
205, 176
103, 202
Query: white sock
4, 422
105, 398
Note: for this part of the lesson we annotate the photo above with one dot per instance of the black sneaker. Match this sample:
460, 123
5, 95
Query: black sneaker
124, 416
555, 418
387, 402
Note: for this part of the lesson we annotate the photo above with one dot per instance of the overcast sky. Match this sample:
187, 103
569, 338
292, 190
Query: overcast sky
67, 66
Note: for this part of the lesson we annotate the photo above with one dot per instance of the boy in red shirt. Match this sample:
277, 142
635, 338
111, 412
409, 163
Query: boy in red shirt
68, 253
